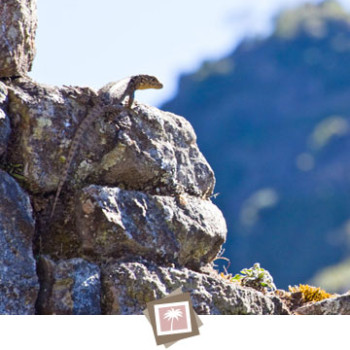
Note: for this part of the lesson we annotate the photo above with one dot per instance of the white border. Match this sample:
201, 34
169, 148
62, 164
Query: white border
177, 331
135, 332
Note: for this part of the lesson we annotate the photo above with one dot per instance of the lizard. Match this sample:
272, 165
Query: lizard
110, 94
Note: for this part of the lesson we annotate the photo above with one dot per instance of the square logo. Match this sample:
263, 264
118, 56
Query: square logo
173, 318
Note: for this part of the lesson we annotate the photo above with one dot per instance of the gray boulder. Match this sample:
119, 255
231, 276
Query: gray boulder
17, 46
119, 223
18, 280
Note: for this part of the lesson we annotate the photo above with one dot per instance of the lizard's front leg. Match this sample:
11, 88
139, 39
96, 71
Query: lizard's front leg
131, 99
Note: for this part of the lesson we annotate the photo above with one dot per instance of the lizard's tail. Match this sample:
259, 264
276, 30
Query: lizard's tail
54, 205
63, 180
96, 111
71, 153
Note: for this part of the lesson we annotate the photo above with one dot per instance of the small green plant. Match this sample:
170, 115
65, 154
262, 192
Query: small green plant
255, 277
15, 170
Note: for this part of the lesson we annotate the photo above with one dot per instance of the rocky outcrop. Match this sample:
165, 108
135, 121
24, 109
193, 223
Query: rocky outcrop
156, 205
18, 25
136, 207
140, 149
135, 221
160, 207
138, 188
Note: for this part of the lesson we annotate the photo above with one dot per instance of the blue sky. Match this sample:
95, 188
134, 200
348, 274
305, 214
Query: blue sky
90, 43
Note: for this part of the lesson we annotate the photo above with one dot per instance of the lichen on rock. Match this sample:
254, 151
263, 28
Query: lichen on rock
115, 222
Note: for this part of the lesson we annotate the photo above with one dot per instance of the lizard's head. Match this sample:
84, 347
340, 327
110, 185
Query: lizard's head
148, 82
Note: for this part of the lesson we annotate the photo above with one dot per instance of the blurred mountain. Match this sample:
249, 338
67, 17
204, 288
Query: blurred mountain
273, 119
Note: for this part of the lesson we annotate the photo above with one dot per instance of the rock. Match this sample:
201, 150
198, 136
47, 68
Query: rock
110, 249
18, 27
18, 280
339, 305
128, 286
69, 287
5, 128
157, 152
115, 222
45, 119
141, 149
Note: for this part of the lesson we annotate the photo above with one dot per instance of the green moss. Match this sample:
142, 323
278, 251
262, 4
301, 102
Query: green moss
62, 159
310, 293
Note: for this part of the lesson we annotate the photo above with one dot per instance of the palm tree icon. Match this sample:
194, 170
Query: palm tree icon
172, 314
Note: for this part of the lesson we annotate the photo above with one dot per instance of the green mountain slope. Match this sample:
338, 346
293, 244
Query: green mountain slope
273, 119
